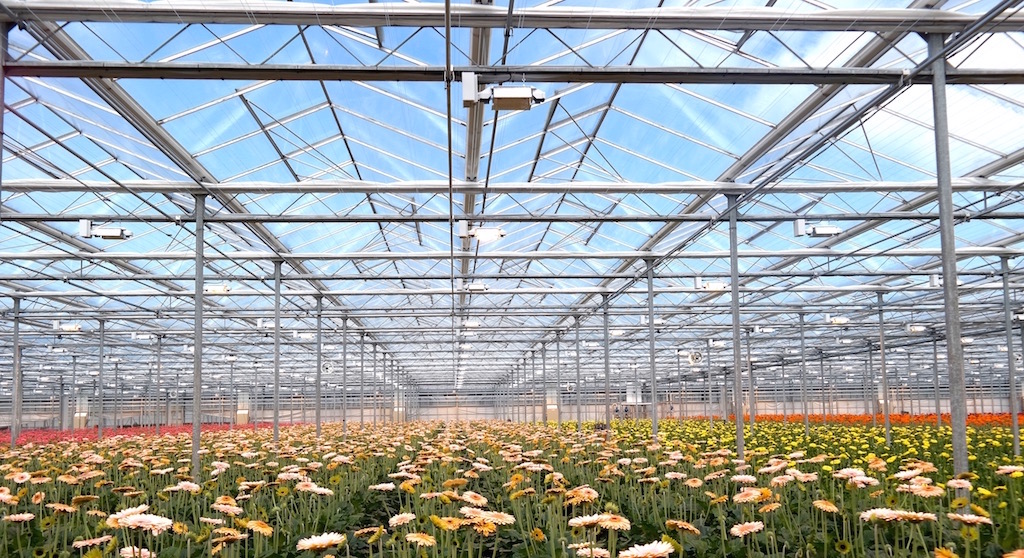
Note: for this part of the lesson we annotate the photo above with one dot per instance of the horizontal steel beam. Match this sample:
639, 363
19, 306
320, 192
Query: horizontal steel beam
122, 294
54, 255
492, 74
215, 277
499, 218
395, 14
969, 184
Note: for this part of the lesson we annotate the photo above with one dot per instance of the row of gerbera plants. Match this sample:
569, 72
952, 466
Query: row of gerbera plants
489, 489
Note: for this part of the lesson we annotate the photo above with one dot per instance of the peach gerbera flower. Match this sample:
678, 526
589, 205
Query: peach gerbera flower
420, 539
321, 542
656, 549
92, 542
744, 529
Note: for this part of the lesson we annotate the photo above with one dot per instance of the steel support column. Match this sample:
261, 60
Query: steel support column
579, 387
544, 383
558, 381
344, 378
607, 363
803, 377
159, 373
362, 376
277, 350
376, 393
737, 358
883, 372
319, 358
872, 393
16, 393
651, 349
947, 238
750, 379
935, 381
1011, 364
533, 387
711, 407
197, 343
679, 375
99, 380
74, 392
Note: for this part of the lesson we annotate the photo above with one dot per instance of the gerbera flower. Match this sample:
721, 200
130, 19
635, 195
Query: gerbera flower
446, 523
915, 517
747, 496
943, 552
20, 477
61, 508
84, 499
367, 531
155, 524
401, 519
928, 491
958, 484
113, 521
715, 475
682, 526
744, 479
321, 542
593, 552
454, 483
185, 486
498, 518
38, 498
580, 495
744, 529
420, 539
585, 521
675, 475
826, 506
383, 487
20, 517
768, 508
656, 549
843, 547
227, 509
484, 528
260, 527
863, 481
135, 552
473, 499
969, 518
92, 542
693, 482
613, 522
878, 514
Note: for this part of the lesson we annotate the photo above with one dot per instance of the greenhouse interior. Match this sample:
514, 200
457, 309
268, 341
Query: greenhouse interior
722, 226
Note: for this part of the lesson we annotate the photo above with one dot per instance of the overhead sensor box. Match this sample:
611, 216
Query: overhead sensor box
87, 230
66, 328
515, 97
802, 228
503, 97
